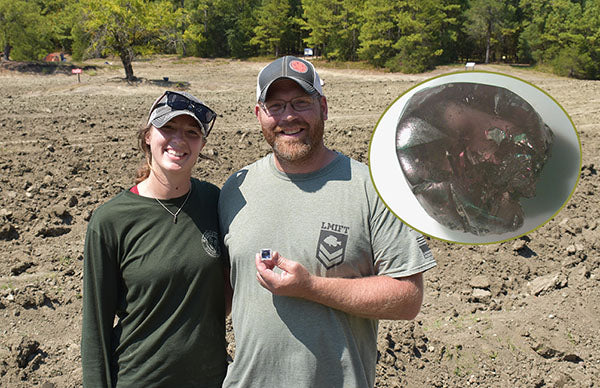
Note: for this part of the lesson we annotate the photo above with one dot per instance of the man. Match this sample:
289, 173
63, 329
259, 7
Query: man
340, 259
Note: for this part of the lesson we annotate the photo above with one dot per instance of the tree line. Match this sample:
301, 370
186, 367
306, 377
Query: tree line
409, 36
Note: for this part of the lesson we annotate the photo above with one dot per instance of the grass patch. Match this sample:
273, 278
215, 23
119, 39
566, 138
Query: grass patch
322, 63
6, 286
570, 338
66, 260
358, 65
261, 58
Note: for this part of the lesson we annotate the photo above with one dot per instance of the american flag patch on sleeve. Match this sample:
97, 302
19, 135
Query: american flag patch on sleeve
424, 247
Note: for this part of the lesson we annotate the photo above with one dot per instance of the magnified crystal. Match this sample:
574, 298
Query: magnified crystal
469, 152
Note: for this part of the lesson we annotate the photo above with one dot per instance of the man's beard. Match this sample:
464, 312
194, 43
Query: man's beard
296, 151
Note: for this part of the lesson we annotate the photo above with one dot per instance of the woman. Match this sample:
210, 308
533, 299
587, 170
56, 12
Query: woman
153, 260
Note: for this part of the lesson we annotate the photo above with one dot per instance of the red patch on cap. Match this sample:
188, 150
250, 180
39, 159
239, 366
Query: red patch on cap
298, 67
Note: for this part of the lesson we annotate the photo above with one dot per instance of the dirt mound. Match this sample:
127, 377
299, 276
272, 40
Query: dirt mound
523, 313
47, 67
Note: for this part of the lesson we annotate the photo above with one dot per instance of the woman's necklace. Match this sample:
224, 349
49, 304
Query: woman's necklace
178, 210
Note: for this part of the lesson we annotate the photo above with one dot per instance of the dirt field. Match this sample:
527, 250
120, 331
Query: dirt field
525, 313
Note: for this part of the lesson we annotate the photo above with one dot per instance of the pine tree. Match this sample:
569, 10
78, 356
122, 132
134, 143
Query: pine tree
486, 18
422, 26
378, 32
273, 21
333, 27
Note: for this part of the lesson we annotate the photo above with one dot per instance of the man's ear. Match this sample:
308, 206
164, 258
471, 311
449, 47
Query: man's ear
323, 103
256, 110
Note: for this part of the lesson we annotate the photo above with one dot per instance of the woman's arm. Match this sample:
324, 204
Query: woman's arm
100, 288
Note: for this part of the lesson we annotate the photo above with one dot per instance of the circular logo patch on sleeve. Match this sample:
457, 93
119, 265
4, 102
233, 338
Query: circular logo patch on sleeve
210, 243
298, 67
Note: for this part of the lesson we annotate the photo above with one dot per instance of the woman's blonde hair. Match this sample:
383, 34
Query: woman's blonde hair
143, 171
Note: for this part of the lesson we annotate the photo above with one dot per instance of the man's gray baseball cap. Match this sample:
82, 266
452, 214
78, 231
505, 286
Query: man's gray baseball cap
290, 67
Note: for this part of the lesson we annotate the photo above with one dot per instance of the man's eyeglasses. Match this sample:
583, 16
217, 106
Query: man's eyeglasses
277, 107
203, 113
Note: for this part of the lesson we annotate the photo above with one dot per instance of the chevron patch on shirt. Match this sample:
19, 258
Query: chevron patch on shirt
331, 248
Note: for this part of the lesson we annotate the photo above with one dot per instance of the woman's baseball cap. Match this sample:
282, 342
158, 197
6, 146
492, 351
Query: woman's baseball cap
173, 104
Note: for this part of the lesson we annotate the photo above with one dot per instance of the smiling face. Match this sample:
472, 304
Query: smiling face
294, 136
175, 146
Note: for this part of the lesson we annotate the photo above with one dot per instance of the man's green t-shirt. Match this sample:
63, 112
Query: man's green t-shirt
332, 222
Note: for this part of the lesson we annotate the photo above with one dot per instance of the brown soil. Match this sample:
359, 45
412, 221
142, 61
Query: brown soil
523, 313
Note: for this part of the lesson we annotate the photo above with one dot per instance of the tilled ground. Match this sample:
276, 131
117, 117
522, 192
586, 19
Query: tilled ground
523, 313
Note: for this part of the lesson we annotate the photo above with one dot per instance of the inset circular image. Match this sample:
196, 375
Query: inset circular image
475, 157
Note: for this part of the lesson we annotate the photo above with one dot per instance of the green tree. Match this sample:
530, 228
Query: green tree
195, 25
240, 29
590, 27
80, 42
568, 30
452, 37
562, 28
273, 20
60, 17
378, 32
486, 21
217, 27
512, 27
127, 28
422, 26
531, 44
563, 34
406, 35
573, 62
24, 34
233, 20
292, 41
334, 27
190, 34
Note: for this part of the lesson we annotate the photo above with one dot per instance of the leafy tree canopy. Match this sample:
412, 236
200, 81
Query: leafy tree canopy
127, 28
23, 33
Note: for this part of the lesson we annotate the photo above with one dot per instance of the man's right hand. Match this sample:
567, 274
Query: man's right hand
295, 280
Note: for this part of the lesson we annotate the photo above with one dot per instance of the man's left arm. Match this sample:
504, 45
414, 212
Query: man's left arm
375, 297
